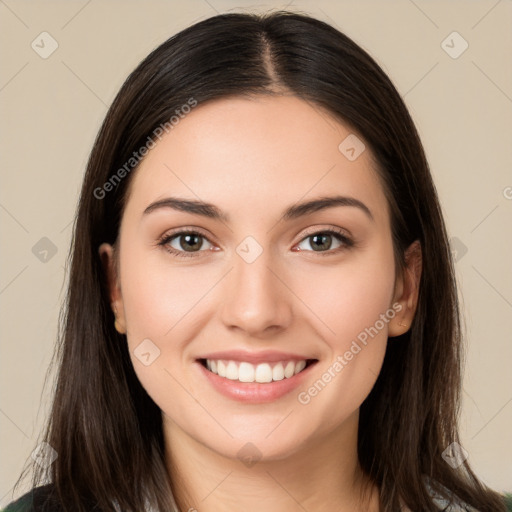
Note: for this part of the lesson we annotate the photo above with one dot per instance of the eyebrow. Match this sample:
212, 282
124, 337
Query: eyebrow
292, 212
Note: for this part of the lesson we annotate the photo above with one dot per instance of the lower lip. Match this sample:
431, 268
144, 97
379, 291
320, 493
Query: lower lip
254, 392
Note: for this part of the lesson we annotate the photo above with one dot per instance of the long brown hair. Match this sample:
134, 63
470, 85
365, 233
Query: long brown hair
106, 429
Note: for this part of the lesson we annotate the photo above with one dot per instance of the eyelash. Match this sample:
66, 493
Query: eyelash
347, 242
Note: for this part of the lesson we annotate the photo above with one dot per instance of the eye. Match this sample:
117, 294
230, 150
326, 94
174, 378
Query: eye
323, 241
184, 243
190, 243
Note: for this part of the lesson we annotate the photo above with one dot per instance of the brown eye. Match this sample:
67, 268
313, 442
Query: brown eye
322, 241
189, 242
184, 243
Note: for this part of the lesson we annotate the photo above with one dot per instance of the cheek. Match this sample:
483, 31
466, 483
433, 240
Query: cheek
161, 304
356, 307
350, 297
157, 296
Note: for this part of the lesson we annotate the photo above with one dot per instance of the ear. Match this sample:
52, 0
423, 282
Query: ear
407, 291
110, 270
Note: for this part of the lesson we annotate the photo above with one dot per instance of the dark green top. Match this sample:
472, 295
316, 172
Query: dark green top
40, 500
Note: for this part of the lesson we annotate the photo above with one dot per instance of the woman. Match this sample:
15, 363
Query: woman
262, 311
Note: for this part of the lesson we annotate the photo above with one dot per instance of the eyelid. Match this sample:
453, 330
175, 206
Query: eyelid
186, 230
315, 230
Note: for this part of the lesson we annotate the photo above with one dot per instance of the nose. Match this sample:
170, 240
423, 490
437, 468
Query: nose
257, 300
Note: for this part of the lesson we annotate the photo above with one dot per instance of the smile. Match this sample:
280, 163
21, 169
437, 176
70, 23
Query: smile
266, 372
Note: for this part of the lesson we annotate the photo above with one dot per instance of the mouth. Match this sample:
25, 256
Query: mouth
262, 373
254, 377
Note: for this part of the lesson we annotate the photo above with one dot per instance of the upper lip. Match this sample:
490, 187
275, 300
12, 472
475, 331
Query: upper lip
266, 356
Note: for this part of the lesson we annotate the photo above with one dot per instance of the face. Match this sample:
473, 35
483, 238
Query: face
263, 312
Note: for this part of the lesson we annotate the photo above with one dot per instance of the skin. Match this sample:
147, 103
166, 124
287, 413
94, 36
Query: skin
253, 158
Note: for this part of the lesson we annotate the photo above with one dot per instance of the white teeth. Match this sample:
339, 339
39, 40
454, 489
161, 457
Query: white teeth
246, 372
221, 368
289, 370
278, 372
262, 373
300, 366
232, 371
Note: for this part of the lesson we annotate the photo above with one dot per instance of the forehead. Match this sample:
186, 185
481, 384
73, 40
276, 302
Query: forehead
257, 153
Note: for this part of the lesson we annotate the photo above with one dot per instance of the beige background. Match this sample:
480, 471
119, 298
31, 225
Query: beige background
52, 108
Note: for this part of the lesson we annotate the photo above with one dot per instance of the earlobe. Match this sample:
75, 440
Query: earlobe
109, 264
407, 291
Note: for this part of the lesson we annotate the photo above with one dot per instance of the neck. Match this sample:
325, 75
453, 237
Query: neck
322, 475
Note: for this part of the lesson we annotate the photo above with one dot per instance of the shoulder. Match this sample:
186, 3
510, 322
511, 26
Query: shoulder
460, 506
39, 499
446, 501
449, 502
508, 501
